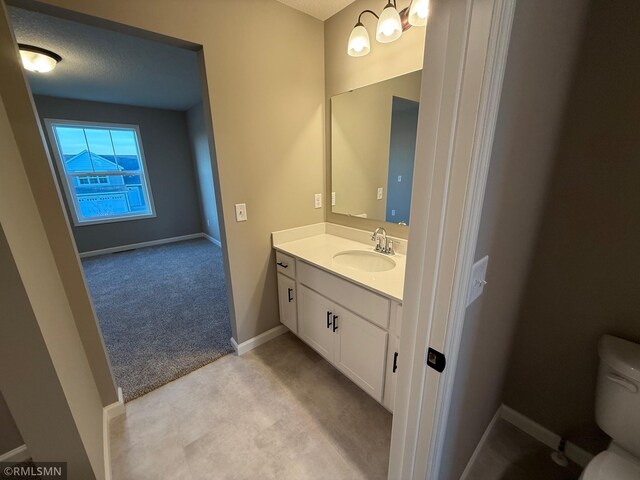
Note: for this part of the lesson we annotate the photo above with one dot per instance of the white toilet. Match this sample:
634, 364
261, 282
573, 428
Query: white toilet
618, 411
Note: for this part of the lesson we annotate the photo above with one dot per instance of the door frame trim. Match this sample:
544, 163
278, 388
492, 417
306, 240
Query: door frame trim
462, 81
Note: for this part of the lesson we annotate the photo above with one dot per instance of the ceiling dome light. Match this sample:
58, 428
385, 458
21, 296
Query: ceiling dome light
359, 44
389, 25
418, 13
36, 59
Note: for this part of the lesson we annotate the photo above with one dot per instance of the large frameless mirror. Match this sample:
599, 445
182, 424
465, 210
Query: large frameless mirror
373, 143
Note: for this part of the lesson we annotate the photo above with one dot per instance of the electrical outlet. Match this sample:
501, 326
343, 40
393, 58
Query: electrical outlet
379, 193
399, 178
318, 200
208, 224
393, 213
241, 212
333, 199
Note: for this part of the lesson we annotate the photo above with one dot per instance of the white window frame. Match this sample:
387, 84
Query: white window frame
72, 200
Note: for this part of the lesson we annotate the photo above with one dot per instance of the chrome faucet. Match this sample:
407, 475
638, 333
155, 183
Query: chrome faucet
383, 244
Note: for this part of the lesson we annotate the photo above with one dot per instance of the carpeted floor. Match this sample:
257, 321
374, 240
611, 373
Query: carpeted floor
162, 310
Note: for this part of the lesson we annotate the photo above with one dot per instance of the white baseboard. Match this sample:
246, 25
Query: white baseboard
544, 435
258, 340
133, 246
212, 240
481, 443
17, 455
108, 413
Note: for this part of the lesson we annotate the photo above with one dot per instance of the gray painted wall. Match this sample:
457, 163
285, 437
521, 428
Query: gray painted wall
584, 277
542, 54
170, 168
202, 160
10, 437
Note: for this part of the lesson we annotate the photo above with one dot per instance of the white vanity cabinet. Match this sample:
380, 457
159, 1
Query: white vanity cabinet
352, 327
360, 352
354, 345
286, 267
316, 322
287, 302
393, 350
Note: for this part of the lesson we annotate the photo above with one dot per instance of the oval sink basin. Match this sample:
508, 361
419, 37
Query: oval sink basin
364, 261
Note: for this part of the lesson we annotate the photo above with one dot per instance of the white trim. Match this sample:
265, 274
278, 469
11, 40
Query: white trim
72, 199
212, 240
258, 340
462, 81
495, 67
108, 413
544, 435
481, 443
116, 408
133, 246
17, 455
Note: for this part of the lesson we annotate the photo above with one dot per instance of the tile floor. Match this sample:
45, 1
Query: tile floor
511, 454
278, 412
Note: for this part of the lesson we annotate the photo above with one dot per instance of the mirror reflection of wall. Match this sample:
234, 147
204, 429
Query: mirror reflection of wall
373, 140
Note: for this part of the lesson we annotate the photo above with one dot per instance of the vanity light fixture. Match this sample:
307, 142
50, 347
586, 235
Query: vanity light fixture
36, 59
391, 24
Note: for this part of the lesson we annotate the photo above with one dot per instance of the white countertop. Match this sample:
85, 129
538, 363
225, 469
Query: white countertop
319, 249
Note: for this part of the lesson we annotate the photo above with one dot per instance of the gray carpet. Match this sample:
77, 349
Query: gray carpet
162, 310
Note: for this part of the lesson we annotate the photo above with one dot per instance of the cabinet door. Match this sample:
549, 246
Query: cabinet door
361, 351
287, 302
315, 322
391, 376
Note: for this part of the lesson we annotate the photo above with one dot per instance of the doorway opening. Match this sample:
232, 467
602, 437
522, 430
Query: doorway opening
128, 131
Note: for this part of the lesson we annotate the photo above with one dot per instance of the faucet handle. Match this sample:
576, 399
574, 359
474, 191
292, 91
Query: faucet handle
388, 249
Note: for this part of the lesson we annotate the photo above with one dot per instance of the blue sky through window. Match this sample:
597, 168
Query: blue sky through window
72, 141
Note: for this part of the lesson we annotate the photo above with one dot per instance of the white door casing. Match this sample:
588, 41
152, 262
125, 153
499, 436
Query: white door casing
465, 58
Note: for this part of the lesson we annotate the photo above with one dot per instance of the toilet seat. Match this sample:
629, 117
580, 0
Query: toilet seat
611, 466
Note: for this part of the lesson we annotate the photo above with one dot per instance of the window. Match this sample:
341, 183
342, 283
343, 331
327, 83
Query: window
103, 171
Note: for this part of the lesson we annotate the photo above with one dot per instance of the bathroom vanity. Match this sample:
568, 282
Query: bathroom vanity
344, 300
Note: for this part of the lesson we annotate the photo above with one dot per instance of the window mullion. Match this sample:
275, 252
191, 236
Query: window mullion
86, 140
113, 147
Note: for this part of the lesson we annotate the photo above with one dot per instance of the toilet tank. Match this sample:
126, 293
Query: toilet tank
618, 392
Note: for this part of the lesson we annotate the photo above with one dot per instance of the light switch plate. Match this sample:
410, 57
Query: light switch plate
333, 199
399, 178
379, 193
318, 200
478, 274
241, 212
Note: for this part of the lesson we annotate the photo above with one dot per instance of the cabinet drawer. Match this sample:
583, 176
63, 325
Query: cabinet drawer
286, 264
361, 301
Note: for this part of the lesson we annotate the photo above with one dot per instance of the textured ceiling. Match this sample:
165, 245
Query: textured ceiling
320, 9
107, 66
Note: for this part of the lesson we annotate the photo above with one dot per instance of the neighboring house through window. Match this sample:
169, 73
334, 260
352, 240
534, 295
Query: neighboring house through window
103, 171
